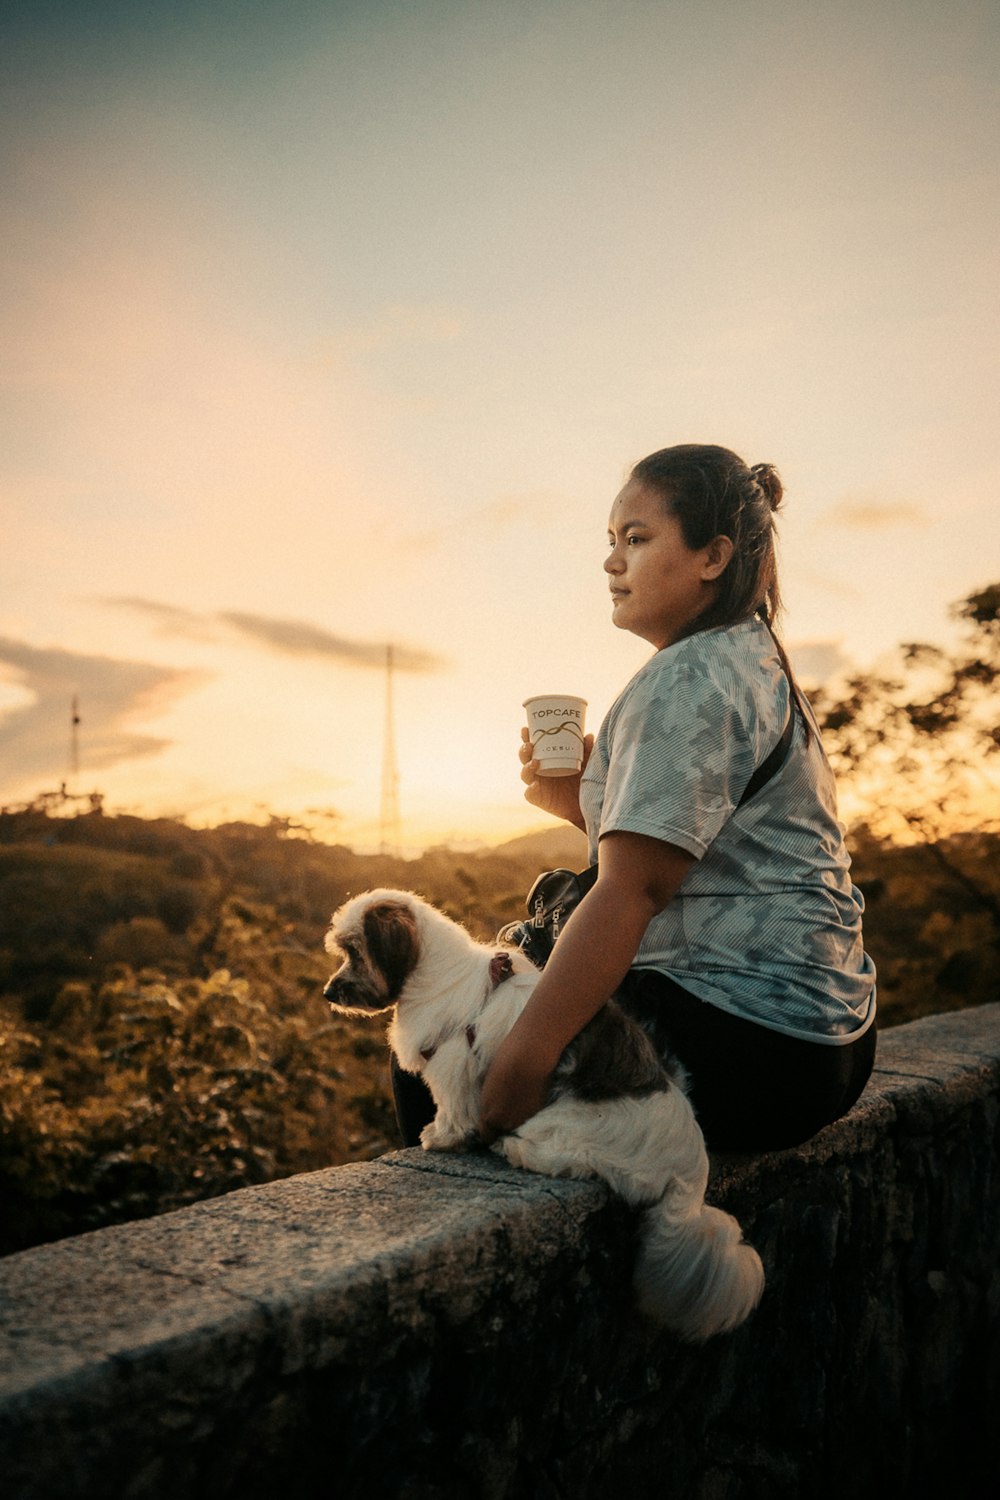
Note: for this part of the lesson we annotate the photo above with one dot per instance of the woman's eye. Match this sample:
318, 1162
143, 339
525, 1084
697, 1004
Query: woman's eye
633, 538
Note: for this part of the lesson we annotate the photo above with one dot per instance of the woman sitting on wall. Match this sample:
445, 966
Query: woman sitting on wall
728, 925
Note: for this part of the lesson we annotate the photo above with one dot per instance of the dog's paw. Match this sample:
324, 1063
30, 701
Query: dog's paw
514, 1149
437, 1137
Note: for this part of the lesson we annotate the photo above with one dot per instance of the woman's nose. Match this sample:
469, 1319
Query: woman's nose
613, 562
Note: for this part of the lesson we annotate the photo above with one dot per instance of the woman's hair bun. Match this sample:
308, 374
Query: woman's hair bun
766, 475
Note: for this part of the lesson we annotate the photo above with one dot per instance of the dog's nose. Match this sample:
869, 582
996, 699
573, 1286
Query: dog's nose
330, 983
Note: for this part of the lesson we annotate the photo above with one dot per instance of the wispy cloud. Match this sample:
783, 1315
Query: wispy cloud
172, 619
34, 737
298, 638
875, 515
818, 661
287, 637
815, 578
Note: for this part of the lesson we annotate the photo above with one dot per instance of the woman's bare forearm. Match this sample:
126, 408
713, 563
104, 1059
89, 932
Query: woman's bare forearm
592, 957
638, 877
588, 963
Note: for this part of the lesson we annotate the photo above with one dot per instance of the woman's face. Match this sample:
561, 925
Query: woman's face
659, 585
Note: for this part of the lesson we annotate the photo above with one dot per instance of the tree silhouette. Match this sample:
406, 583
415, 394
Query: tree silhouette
919, 746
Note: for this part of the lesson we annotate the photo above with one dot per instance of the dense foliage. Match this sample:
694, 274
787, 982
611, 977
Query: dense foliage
918, 740
932, 921
163, 1036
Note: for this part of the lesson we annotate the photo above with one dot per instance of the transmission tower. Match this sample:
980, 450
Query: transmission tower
74, 739
388, 823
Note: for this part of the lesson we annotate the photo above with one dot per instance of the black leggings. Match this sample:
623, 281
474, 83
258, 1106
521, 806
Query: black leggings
752, 1089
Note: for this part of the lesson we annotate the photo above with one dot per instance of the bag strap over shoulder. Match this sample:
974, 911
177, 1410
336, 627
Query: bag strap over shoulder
774, 762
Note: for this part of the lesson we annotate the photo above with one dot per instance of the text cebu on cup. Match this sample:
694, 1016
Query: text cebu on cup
555, 724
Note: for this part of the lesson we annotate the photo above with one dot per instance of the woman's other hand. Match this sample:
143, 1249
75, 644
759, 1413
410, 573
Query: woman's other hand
514, 1089
558, 795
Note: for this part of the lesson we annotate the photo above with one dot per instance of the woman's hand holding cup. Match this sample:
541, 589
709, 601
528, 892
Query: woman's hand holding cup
558, 795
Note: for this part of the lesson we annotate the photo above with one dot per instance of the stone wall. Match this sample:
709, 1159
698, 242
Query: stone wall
424, 1327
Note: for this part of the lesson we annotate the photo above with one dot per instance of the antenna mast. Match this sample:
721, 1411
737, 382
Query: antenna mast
74, 738
389, 825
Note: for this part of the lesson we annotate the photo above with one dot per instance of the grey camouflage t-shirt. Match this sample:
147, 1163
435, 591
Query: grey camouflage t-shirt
767, 923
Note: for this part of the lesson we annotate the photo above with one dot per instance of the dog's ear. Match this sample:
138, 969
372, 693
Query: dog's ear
393, 944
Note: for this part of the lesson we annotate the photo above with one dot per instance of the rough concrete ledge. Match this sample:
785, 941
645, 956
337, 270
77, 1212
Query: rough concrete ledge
427, 1326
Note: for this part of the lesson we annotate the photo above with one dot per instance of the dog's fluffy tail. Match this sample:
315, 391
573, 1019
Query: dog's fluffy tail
694, 1272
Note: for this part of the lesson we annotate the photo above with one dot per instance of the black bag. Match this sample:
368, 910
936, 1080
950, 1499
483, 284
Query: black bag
557, 893
551, 899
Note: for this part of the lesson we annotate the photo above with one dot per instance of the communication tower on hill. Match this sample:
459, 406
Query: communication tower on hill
55, 803
74, 738
389, 836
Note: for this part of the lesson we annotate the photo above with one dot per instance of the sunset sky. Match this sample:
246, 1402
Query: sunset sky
332, 324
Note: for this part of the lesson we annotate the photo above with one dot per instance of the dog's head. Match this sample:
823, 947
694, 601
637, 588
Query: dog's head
378, 938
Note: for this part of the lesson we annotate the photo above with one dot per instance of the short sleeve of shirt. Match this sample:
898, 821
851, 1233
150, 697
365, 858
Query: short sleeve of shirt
677, 758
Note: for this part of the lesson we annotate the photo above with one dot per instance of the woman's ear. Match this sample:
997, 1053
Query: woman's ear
717, 555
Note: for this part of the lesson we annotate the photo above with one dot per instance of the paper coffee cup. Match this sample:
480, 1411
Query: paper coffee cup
555, 724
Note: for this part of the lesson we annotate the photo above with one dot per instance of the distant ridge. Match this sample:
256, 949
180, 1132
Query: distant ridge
552, 848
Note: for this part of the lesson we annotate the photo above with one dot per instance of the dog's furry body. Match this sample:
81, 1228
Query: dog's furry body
615, 1111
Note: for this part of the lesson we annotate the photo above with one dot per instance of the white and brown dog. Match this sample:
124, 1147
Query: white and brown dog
615, 1111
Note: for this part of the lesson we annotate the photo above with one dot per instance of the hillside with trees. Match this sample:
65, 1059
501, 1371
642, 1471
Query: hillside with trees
163, 1036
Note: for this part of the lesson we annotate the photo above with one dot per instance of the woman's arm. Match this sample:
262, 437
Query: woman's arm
637, 877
